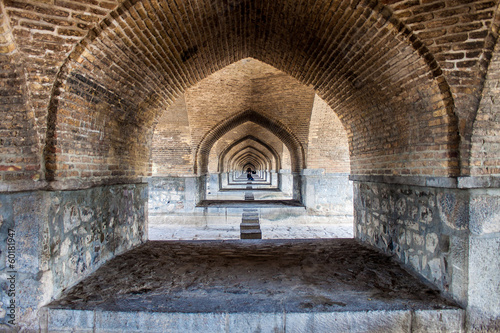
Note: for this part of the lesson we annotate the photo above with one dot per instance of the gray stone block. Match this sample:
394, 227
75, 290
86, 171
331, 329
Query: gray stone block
256, 322
61, 320
352, 322
443, 321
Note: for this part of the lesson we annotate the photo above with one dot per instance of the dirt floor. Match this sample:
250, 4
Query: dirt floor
252, 276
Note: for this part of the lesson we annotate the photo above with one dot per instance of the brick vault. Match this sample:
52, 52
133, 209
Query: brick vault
104, 101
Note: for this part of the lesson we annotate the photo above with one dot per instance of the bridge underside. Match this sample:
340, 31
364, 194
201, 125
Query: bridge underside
276, 285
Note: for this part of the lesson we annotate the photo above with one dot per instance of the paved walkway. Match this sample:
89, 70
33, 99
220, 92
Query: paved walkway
269, 231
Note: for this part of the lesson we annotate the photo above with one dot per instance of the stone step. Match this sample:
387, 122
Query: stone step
346, 283
249, 226
250, 215
251, 234
250, 219
249, 196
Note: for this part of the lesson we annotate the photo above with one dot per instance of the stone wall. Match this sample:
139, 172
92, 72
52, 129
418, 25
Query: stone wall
172, 194
327, 194
450, 236
484, 260
424, 227
61, 237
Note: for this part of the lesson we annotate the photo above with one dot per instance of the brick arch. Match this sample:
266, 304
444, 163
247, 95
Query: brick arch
248, 165
359, 57
19, 141
276, 127
484, 155
249, 154
273, 152
479, 151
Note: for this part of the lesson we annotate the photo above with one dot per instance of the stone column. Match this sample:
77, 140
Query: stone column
483, 306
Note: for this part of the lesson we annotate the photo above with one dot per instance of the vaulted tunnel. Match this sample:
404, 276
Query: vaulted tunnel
117, 114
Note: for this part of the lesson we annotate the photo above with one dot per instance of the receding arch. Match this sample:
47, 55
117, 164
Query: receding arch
249, 154
345, 75
252, 138
275, 126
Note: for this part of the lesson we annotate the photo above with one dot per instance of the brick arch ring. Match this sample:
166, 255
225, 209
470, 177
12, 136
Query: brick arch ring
274, 126
272, 151
250, 154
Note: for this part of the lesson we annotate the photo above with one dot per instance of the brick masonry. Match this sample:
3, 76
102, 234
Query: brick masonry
84, 85
407, 91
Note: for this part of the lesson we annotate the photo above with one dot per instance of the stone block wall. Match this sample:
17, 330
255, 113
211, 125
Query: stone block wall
450, 236
172, 194
60, 237
484, 260
327, 194
424, 227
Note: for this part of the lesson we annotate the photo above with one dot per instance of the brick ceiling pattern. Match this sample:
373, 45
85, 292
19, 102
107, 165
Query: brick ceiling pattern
83, 82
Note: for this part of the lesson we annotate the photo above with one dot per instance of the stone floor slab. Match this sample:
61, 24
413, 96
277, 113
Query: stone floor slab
316, 284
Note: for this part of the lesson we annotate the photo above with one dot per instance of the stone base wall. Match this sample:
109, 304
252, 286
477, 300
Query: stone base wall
327, 194
285, 181
50, 240
483, 313
172, 194
426, 228
450, 236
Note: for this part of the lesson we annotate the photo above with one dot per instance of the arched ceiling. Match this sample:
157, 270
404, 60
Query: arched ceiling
404, 77
249, 154
249, 140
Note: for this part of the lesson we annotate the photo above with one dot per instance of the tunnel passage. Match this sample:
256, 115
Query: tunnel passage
85, 85
300, 177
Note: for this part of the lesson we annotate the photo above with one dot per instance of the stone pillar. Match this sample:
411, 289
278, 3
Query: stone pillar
297, 186
213, 183
273, 177
327, 194
223, 180
201, 188
286, 181
483, 308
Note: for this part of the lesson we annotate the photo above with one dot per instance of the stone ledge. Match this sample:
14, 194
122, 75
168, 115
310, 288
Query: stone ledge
479, 182
66, 185
444, 182
440, 182
449, 320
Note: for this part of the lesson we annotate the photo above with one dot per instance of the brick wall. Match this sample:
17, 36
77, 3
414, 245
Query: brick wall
171, 144
19, 158
461, 36
328, 146
485, 151
405, 77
